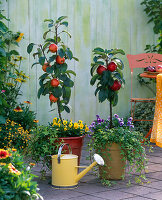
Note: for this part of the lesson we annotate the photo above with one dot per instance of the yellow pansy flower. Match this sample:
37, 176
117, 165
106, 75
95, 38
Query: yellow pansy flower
64, 122
81, 126
80, 122
65, 129
76, 125
20, 37
86, 129
70, 124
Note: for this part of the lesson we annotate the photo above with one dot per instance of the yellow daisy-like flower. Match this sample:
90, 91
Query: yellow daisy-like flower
32, 164
14, 149
28, 102
2, 163
76, 125
20, 37
35, 121
64, 122
4, 154
18, 109
13, 170
12, 124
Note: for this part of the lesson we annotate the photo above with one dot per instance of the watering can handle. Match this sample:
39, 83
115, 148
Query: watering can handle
60, 150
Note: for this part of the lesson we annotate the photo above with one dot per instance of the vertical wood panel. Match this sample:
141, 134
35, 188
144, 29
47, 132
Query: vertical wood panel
108, 24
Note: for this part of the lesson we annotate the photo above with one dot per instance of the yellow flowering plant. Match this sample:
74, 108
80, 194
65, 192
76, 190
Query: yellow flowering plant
13, 135
69, 128
16, 179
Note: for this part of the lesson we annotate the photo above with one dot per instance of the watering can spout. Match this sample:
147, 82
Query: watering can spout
98, 160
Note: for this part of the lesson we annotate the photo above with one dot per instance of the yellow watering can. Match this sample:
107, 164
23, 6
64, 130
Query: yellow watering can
65, 170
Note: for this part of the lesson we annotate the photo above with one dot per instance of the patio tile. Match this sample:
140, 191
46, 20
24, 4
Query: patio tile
140, 190
113, 195
91, 188
154, 159
87, 197
156, 185
155, 175
157, 195
154, 167
139, 198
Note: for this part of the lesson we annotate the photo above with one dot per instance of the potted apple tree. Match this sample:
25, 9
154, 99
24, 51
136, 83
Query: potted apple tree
52, 56
109, 78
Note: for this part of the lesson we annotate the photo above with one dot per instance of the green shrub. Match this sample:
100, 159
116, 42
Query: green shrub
16, 178
144, 111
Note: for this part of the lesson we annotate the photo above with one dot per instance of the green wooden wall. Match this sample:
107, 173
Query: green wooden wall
105, 23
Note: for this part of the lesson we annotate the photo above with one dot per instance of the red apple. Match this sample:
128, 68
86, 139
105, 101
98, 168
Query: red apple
53, 48
111, 66
44, 67
116, 85
100, 69
55, 82
53, 98
60, 60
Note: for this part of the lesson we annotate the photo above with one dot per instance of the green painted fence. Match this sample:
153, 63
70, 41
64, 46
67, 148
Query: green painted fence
105, 23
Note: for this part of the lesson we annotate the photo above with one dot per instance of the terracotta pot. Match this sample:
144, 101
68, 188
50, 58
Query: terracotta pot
75, 143
114, 167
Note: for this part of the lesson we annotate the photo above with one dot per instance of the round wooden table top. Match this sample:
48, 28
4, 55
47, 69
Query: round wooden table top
149, 75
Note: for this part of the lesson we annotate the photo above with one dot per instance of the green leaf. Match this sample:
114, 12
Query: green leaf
67, 109
69, 53
97, 89
115, 99
66, 94
102, 95
98, 49
40, 91
94, 78
64, 23
70, 72
75, 58
50, 25
52, 58
30, 48
44, 76
63, 68
2, 120
116, 51
48, 20
45, 34
46, 45
14, 52
42, 60
2, 52
49, 70
57, 92
34, 64
3, 27
68, 82
119, 63
50, 40
64, 31
61, 53
61, 18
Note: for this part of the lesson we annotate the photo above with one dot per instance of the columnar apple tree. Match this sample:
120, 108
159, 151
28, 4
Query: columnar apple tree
109, 76
52, 56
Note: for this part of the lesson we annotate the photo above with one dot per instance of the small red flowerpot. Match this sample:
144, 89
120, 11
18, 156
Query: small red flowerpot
75, 143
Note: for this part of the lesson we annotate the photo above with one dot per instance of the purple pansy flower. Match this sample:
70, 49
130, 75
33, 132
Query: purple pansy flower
116, 116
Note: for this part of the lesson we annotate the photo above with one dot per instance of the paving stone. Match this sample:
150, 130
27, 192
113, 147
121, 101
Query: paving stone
155, 175
113, 195
140, 190
88, 197
157, 195
156, 185
139, 198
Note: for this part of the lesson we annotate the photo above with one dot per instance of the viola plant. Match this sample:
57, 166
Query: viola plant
69, 128
15, 177
53, 55
109, 76
125, 123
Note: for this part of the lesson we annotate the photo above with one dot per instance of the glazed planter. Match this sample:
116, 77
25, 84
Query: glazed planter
75, 143
114, 168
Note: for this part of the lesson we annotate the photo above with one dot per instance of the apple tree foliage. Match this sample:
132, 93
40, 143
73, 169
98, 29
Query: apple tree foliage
55, 70
106, 79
